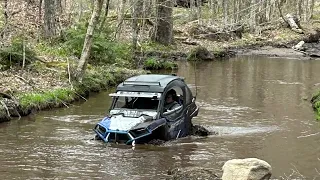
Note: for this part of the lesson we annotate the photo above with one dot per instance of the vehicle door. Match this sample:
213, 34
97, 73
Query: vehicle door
175, 117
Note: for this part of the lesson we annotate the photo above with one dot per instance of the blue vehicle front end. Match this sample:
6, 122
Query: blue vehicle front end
133, 117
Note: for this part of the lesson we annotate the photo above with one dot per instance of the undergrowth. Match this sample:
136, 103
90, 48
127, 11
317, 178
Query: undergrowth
156, 64
13, 54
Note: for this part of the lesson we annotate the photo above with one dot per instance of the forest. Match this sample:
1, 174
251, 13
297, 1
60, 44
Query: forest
56, 51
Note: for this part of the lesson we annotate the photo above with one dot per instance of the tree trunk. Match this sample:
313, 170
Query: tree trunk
40, 9
306, 14
164, 23
239, 14
225, 12
136, 24
6, 18
82, 65
106, 12
311, 9
199, 3
121, 14
59, 11
234, 11
300, 11
49, 19
252, 16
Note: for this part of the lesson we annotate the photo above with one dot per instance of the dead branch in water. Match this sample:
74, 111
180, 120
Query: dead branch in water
5, 106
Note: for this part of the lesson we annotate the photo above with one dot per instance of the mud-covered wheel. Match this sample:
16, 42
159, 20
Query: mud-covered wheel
97, 137
164, 132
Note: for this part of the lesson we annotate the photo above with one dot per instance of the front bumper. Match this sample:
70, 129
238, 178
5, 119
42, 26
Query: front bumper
118, 136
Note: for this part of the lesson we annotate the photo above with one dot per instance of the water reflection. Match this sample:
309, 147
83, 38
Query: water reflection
257, 106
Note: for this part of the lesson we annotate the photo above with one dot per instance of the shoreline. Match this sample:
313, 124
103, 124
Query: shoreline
18, 104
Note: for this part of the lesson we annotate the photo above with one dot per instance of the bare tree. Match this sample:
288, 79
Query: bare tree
82, 65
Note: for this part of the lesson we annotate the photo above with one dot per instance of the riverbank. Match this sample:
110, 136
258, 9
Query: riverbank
276, 42
26, 91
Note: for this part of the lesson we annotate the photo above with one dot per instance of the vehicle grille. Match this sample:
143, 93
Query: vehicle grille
101, 129
118, 137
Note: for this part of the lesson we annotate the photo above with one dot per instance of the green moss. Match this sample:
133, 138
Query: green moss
219, 51
156, 64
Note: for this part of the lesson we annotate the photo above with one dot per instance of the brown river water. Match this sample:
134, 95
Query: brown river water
258, 106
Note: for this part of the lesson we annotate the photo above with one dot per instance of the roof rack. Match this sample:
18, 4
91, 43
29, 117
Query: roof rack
141, 83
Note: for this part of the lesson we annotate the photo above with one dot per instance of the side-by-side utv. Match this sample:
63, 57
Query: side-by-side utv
138, 113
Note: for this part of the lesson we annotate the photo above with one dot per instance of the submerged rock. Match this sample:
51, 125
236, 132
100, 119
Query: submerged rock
246, 169
198, 130
192, 173
200, 53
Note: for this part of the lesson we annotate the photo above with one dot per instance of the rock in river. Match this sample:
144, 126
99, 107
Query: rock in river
246, 169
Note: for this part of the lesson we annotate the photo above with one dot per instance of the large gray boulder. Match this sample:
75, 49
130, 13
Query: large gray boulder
246, 169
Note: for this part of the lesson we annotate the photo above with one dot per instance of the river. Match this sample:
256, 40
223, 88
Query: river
258, 106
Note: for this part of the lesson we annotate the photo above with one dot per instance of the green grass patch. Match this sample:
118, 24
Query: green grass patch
95, 79
46, 99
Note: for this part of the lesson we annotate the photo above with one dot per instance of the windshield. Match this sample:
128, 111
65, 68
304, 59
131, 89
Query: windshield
136, 100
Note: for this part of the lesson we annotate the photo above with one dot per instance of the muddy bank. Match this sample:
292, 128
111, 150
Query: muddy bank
183, 54
273, 52
285, 51
306, 51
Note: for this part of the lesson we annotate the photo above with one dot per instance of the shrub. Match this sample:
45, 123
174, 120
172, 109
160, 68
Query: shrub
13, 55
103, 50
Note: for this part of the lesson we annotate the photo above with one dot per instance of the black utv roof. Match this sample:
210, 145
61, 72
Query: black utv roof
147, 83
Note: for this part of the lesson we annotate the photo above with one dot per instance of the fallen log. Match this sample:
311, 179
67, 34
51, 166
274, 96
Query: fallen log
291, 20
188, 42
299, 46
